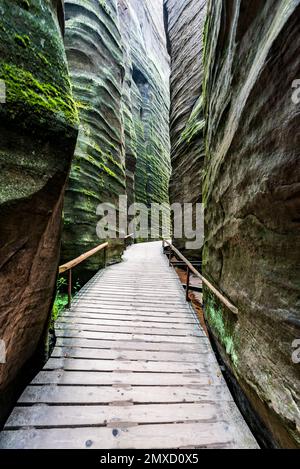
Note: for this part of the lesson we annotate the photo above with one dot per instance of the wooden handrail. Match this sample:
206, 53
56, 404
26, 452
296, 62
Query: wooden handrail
70, 265
191, 268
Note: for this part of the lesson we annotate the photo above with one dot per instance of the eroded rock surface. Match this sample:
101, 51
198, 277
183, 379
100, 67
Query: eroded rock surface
185, 24
38, 134
251, 194
143, 28
119, 65
94, 51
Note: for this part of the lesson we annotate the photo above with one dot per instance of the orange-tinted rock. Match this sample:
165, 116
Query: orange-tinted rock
38, 133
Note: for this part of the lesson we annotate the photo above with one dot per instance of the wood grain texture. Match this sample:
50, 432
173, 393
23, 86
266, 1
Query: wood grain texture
156, 384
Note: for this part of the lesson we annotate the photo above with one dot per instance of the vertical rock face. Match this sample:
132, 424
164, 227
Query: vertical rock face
148, 74
38, 134
252, 200
185, 24
122, 90
94, 51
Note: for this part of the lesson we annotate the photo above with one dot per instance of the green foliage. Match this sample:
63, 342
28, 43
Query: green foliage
61, 300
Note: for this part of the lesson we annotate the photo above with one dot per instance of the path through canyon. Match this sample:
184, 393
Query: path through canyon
132, 368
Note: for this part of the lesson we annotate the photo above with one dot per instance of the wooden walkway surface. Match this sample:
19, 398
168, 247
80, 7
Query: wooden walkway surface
132, 368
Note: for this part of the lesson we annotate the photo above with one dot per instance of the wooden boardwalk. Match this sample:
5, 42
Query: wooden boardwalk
132, 368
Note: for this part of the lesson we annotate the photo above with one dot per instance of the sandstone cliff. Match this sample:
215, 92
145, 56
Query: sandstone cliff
94, 51
119, 66
185, 24
251, 194
38, 134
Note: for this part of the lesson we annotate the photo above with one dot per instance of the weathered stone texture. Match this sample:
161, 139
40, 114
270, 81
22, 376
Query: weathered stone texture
94, 51
251, 194
185, 24
122, 91
148, 77
38, 135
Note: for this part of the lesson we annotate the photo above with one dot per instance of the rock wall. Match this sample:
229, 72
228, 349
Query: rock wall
251, 194
94, 50
119, 66
38, 134
147, 75
142, 21
184, 25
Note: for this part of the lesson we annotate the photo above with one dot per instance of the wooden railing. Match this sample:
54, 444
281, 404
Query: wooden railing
191, 268
75, 262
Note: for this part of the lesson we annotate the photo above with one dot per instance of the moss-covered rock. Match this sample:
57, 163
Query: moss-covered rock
94, 50
147, 76
121, 88
38, 126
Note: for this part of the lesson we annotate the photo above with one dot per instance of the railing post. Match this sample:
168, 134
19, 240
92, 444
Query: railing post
70, 289
105, 257
188, 273
170, 257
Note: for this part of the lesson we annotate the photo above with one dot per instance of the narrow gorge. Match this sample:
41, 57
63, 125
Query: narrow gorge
162, 104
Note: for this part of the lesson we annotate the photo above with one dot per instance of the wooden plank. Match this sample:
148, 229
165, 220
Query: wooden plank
71, 364
128, 378
131, 368
136, 302
94, 309
129, 345
132, 305
71, 325
143, 436
132, 290
124, 336
111, 321
53, 394
71, 416
149, 295
203, 353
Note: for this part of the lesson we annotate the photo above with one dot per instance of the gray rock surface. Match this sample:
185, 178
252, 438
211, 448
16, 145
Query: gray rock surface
185, 24
251, 194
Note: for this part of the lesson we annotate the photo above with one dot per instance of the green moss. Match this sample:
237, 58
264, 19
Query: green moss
43, 59
111, 159
23, 89
113, 175
22, 41
195, 123
221, 326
